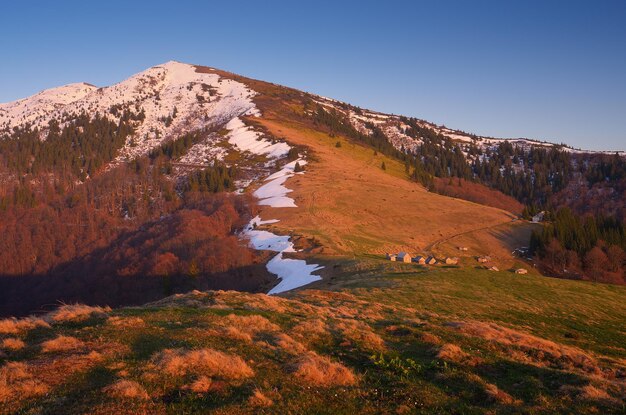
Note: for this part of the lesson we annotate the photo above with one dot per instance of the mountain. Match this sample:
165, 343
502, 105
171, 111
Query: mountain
185, 194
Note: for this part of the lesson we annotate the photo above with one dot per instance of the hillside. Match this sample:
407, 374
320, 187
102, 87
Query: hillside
399, 339
156, 194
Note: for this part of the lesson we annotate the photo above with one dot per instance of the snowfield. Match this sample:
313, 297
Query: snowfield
246, 139
293, 273
274, 193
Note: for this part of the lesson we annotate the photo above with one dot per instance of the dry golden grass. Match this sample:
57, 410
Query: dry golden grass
498, 395
17, 383
17, 326
201, 385
361, 334
203, 362
126, 389
61, 344
430, 339
236, 334
76, 312
128, 322
352, 206
540, 349
317, 370
259, 400
288, 344
12, 344
451, 353
310, 329
592, 393
246, 328
496, 242
252, 324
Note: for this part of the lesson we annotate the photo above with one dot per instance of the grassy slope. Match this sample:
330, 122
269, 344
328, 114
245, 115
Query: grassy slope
390, 330
351, 206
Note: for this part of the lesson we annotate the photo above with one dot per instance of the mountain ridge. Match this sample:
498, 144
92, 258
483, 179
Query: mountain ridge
10, 118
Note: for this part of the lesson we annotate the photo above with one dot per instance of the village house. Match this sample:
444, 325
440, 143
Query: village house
392, 257
452, 261
420, 259
521, 271
403, 257
483, 259
431, 260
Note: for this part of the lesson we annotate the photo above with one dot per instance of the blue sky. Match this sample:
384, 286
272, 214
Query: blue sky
552, 70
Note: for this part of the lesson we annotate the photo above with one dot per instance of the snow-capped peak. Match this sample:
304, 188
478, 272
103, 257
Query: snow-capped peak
28, 110
174, 98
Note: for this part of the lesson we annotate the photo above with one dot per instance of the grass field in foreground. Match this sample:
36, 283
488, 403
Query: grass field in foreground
394, 339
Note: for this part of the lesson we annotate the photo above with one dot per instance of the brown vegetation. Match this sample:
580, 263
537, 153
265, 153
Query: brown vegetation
61, 344
452, 353
318, 370
206, 362
499, 395
361, 334
192, 248
12, 344
126, 389
17, 382
202, 384
17, 326
592, 393
476, 192
259, 400
540, 349
76, 312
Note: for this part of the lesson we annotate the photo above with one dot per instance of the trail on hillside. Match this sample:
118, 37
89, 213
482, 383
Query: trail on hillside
438, 242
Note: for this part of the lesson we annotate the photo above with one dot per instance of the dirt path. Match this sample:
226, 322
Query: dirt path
438, 242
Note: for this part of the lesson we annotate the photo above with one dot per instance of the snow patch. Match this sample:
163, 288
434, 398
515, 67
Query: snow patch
293, 273
246, 139
274, 193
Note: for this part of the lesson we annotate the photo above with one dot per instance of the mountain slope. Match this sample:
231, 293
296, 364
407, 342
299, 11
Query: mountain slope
254, 186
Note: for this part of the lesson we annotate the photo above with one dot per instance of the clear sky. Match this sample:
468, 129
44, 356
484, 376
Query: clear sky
548, 69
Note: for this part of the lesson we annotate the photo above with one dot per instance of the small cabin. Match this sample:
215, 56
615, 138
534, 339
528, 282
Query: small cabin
403, 257
452, 261
392, 257
493, 268
420, 260
483, 259
431, 260
463, 248
521, 271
